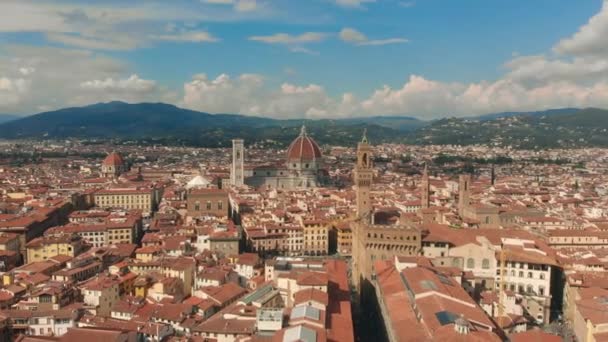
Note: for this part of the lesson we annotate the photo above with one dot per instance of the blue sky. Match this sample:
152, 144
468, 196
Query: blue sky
312, 58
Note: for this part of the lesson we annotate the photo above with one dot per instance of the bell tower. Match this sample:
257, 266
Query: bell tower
237, 167
363, 176
425, 189
463, 193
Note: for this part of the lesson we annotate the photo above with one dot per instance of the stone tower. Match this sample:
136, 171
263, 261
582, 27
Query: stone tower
237, 172
425, 189
372, 241
464, 193
363, 176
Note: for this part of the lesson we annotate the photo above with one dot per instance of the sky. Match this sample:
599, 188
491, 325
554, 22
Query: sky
306, 58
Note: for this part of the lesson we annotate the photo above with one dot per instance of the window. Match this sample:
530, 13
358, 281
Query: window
530, 275
220, 205
208, 205
470, 263
485, 264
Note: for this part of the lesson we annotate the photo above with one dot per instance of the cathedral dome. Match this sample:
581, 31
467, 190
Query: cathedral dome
113, 159
303, 148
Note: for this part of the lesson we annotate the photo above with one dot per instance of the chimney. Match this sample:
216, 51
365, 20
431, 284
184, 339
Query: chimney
461, 325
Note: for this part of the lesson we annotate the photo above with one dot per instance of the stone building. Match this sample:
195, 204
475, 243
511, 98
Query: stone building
303, 166
208, 202
113, 165
372, 241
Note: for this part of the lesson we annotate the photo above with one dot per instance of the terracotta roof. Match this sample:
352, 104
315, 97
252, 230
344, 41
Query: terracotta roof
308, 295
303, 148
113, 159
534, 336
224, 293
312, 279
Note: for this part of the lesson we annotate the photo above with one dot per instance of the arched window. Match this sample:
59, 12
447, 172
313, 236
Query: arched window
529, 289
470, 263
485, 264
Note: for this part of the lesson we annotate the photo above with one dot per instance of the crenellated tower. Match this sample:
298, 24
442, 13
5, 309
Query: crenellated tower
363, 176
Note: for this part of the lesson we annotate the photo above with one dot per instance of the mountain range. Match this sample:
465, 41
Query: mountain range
165, 123
8, 117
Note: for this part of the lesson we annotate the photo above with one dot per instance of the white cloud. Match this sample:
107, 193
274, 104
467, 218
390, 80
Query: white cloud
189, 36
223, 94
248, 94
350, 35
418, 96
590, 40
13, 91
133, 83
246, 5
238, 5
300, 49
32, 78
50, 78
353, 3
285, 38
120, 42
99, 27
388, 41
26, 71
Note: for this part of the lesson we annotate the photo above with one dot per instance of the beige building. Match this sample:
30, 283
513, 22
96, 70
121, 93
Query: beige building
183, 268
316, 237
46, 247
129, 199
479, 258
100, 294
344, 239
590, 318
